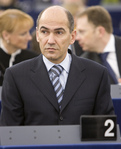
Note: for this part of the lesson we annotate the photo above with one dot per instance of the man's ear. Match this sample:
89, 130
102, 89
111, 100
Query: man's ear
73, 37
101, 31
37, 34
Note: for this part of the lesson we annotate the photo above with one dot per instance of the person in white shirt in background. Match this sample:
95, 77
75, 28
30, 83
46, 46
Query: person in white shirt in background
95, 36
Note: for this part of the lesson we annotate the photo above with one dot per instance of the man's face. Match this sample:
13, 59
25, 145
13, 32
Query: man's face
87, 35
53, 35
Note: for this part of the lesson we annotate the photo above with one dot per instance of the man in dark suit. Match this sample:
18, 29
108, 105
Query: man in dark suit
94, 34
29, 95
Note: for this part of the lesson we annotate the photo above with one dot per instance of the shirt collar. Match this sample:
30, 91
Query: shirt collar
65, 63
110, 47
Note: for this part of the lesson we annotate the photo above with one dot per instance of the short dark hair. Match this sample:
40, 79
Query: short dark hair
98, 16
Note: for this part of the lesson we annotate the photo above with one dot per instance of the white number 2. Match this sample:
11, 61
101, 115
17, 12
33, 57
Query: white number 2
108, 132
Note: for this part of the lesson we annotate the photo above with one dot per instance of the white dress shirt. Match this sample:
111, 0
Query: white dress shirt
66, 67
111, 58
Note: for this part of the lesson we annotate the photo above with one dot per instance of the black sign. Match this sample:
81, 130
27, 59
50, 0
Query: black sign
98, 127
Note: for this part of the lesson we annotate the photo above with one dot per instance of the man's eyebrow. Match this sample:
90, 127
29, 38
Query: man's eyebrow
43, 27
59, 29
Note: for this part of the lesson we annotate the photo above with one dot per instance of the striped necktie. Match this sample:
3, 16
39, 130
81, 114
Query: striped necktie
56, 71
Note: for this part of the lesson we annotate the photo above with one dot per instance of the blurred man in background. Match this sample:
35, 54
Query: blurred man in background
94, 34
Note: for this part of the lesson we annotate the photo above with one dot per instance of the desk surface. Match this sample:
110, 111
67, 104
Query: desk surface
47, 137
67, 146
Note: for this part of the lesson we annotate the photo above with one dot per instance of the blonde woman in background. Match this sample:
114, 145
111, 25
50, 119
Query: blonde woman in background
15, 28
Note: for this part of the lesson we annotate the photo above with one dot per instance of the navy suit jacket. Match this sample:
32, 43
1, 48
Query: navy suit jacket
94, 56
28, 97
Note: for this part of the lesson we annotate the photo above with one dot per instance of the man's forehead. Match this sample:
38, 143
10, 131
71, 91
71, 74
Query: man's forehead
82, 19
54, 18
54, 11
53, 24
54, 14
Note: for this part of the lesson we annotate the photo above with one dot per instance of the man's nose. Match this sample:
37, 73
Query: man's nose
51, 38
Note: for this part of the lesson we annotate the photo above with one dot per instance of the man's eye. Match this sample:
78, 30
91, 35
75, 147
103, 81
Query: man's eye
81, 32
43, 31
59, 32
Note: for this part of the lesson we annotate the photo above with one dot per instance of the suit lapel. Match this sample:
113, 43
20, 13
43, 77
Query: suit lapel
75, 79
40, 78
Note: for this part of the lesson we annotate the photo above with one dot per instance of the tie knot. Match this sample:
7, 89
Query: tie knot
103, 56
57, 70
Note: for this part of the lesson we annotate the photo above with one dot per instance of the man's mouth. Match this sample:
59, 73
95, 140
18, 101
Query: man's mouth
50, 49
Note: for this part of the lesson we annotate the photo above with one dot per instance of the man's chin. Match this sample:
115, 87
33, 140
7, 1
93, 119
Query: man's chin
51, 57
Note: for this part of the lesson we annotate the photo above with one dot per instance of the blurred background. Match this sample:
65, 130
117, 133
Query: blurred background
34, 7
